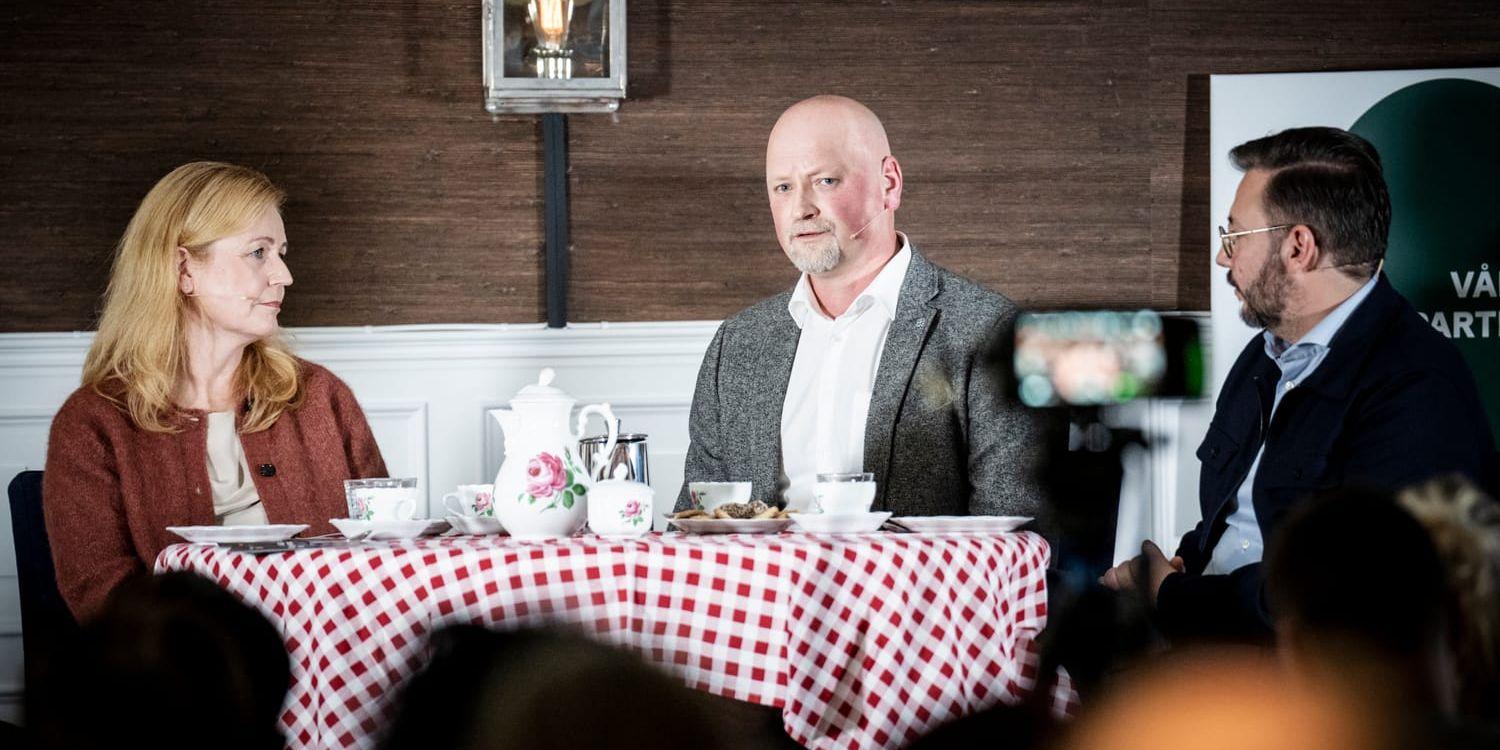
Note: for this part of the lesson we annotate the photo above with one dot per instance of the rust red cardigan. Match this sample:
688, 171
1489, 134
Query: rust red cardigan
111, 489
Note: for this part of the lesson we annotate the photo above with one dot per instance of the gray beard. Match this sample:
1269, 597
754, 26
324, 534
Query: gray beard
818, 260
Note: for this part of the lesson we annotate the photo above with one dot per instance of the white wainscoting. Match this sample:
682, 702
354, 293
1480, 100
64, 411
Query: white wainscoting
426, 391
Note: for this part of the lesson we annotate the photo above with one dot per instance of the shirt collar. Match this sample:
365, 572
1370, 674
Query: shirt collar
1322, 333
883, 293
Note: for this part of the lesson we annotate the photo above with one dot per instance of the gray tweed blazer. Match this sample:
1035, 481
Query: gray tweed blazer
941, 437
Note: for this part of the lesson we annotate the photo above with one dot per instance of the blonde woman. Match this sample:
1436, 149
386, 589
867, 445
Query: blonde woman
192, 410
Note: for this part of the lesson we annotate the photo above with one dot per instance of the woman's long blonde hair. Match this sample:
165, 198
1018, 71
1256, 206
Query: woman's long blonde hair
139, 355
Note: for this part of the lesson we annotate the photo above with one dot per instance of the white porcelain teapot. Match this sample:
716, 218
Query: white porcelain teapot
542, 488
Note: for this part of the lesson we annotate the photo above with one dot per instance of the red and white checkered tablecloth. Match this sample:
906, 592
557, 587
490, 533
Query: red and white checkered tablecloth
863, 641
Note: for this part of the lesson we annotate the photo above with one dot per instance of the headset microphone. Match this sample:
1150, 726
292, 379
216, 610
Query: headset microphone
221, 296
857, 232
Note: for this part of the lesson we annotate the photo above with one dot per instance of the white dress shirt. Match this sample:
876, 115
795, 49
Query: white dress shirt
833, 375
1241, 542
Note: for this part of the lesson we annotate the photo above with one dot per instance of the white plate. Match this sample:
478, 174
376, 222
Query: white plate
351, 528
231, 534
475, 524
939, 524
840, 523
731, 525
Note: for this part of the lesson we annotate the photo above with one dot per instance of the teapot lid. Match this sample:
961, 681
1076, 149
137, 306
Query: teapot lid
618, 479
542, 391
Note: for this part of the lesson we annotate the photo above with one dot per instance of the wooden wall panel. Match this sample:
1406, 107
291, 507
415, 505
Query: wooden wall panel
408, 202
1056, 151
1017, 126
1193, 39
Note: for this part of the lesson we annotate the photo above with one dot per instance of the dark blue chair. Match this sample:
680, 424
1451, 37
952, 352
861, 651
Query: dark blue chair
46, 622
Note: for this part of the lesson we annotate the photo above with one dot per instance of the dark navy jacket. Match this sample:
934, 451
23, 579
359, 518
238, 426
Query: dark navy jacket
1392, 404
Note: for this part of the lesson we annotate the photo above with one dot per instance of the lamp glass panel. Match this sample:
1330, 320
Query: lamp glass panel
588, 38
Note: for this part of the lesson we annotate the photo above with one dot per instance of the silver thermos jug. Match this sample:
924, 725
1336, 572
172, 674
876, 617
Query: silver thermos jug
630, 451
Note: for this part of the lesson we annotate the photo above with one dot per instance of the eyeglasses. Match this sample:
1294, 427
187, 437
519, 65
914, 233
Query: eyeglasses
1226, 237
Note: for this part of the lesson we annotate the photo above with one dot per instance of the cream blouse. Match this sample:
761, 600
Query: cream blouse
236, 501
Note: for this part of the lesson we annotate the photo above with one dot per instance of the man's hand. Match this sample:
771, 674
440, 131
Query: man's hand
1121, 577
1158, 567
1144, 571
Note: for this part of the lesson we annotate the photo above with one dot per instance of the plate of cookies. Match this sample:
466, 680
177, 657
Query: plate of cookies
732, 518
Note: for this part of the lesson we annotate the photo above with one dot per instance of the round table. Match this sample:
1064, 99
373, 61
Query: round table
862, 640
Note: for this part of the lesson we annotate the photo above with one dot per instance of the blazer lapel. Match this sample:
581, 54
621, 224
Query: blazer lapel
774, 363
903, 346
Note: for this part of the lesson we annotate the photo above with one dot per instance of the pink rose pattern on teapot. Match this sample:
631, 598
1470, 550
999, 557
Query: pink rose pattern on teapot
547, 478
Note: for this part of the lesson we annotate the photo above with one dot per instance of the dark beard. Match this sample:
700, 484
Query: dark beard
1265, 297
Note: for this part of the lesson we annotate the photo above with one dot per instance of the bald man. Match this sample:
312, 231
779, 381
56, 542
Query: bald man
874, 362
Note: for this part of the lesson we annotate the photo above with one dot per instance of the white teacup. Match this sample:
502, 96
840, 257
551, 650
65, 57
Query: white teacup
471, 501
844, 493
383, 499
710, 495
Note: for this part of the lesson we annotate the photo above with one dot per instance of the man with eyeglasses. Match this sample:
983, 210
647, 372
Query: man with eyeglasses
1347, 385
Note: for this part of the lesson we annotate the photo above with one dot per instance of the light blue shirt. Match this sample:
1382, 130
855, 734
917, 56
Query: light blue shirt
1241, 543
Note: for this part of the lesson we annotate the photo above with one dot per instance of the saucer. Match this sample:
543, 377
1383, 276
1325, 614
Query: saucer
475, 524
730, 525
231, 534
352, 529
840, 523
939, 524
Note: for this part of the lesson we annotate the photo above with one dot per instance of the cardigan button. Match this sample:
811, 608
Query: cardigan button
268, 470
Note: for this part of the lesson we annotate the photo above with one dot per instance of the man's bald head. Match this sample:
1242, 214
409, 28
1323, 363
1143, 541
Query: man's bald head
833, 186
833, 120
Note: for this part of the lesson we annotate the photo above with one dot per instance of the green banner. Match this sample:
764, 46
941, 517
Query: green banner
1439, 142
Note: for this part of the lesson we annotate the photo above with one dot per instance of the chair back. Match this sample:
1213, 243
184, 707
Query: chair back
46, 621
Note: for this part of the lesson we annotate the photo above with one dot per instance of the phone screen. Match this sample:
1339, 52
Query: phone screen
1096, 358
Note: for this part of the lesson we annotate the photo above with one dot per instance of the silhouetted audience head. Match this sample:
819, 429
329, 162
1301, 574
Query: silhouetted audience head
1353, 569
544, 689
1011, 727
1464, 525
172, 661
1359, 597
1230, 699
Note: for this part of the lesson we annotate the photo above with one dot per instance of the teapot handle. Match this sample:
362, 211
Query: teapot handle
610, 424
